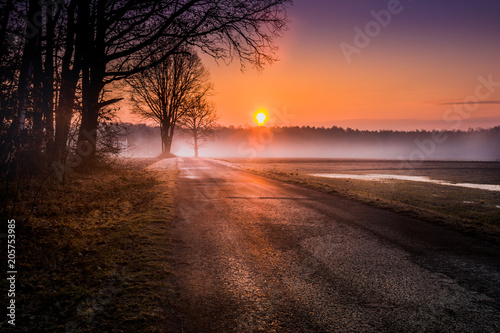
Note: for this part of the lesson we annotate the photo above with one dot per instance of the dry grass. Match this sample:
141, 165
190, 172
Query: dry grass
94, 255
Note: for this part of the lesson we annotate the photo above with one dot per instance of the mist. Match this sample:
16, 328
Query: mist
334, 142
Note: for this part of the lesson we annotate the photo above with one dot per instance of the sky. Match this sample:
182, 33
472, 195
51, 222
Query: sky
374, 64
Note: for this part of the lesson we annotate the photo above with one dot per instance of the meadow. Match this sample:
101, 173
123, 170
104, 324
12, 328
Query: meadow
437, 191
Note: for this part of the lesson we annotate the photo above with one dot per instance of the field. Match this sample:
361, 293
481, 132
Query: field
437, 191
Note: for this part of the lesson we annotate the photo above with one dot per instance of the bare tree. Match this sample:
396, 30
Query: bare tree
59, 53
163, 93
199, 122
120, 37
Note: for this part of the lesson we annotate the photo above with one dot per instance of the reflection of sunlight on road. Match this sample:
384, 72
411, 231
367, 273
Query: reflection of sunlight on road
184, 151
382, 177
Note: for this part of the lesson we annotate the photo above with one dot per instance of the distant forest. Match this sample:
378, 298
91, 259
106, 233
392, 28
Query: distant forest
334, 142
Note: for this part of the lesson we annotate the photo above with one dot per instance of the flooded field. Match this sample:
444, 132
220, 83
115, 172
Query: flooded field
451, 171
462, 194
388, 177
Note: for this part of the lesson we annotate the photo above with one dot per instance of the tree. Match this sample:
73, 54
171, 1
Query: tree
58, 56
70, 71
199, 122
120, 36
30, 31
164, 93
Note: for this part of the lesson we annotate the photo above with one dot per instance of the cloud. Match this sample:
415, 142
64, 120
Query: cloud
462, 102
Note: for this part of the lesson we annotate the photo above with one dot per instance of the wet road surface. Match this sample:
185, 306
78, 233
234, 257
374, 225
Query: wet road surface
256, 255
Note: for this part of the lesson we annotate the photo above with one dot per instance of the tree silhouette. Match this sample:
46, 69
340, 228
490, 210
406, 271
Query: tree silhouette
123, 38
199, 122
59, 57
166, 92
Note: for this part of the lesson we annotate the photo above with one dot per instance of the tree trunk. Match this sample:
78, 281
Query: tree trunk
69, 77
87, 135
64, 113
167, 144
29, 54
93, 72
195, 135
48, 83
166, 139
36, 97
162, 134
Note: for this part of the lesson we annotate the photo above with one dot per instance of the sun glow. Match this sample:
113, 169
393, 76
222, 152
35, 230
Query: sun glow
261, 117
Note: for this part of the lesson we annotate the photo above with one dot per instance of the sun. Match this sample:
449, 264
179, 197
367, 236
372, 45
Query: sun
261, 117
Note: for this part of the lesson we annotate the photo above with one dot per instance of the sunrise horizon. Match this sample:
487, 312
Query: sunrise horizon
387, 64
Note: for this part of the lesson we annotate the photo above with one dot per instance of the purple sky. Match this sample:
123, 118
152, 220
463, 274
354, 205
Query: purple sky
430, 55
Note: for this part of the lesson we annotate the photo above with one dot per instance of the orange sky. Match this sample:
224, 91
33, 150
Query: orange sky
405, 79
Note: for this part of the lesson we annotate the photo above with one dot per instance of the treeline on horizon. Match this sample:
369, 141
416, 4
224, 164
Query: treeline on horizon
333, 142
65, 64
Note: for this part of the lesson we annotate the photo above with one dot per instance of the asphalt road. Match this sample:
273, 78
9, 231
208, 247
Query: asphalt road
252, 254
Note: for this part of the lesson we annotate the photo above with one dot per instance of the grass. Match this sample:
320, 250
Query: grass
472, 211
93, 257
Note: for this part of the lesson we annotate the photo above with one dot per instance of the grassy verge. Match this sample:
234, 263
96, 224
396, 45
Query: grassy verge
472, 211
94, 255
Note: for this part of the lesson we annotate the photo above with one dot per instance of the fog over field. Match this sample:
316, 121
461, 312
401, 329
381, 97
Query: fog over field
335, 142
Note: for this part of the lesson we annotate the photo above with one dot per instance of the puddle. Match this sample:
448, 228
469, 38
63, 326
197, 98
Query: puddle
371, 177
381, 177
